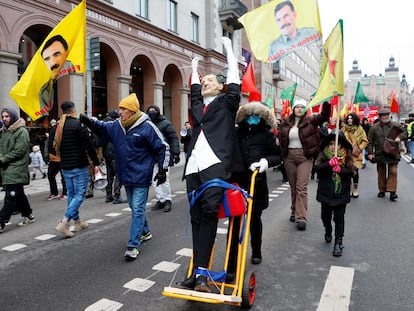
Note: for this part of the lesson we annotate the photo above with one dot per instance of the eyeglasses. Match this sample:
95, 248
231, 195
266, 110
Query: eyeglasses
300, 107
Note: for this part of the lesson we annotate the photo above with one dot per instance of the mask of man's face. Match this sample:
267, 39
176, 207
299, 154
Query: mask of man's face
210, 86
54, 57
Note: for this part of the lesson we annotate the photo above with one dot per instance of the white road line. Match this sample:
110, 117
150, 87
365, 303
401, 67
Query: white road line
14, 247
188, 252
181, 192
105, 305
273, 195
221, 230
113, 214
336, 294
139, 285
277, 191
45, 237
94, 220
166, 266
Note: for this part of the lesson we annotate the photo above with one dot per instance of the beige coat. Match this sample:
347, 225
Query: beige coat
358, 139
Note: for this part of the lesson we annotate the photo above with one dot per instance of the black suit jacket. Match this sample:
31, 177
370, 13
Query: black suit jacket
218, 124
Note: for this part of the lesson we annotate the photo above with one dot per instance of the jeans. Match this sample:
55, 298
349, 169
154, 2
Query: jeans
411, 147
137, 199
76, 183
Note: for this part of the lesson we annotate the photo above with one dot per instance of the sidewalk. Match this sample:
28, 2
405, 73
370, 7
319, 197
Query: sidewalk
41, 185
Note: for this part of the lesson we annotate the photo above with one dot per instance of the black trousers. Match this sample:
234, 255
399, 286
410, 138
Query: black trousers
52, 171
338, 213
15, 200
112, 178
204, 213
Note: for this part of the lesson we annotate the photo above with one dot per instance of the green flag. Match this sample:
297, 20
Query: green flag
288, 93
270, 102
359, 95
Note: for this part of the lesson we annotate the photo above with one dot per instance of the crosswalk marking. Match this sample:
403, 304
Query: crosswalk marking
336, 294
14, 247
139, 285
113, 214
45, 237
166, 266
105, 305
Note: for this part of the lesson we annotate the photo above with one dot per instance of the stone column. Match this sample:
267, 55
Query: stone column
184, 96
158, 95
77, 91
8, 77
124, 85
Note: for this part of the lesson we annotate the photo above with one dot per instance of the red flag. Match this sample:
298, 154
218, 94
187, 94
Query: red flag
249, 84
393, 103
334, 106
286, 110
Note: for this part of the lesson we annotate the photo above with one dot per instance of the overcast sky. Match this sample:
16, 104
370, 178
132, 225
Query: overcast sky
373, 32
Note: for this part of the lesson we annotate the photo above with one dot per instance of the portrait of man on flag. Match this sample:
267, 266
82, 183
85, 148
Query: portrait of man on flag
279, 27
62, 52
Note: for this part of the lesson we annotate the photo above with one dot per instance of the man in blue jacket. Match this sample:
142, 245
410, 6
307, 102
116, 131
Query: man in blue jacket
137, 144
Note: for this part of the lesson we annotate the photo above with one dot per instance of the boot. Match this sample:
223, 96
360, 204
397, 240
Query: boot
33, 176
63, 227
328, 234
337, 250
79, 225
355, 193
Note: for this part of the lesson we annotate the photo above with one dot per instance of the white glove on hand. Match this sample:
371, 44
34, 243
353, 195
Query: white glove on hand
262, 165
194, 64
226, 43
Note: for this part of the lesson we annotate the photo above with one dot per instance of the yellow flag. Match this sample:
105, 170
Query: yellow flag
279, 27
62, 52
331, 81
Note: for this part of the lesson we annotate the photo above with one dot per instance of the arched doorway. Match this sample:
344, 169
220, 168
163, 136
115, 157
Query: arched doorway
143, 76
171, 95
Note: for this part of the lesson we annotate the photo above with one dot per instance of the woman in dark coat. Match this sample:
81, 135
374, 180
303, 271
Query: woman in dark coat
335, 173
259, 151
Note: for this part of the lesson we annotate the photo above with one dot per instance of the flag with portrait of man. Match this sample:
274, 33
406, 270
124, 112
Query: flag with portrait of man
62, 52
279, 27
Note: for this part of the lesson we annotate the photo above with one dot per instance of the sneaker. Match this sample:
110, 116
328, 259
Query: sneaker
27, 220
131, 253
146, 236
51, 197
62, 197
157, 206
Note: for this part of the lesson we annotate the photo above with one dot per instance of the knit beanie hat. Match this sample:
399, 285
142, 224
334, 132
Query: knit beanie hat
12, 113
130, 102
299, 102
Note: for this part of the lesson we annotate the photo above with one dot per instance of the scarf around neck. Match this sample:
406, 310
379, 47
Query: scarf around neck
336, 178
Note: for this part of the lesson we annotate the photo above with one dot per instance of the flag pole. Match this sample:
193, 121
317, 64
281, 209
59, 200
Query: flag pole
337, 129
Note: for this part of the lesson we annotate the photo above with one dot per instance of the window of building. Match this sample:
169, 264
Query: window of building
172, 15
142, 8
194, 27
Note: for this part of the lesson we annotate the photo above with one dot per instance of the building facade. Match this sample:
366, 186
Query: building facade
378, 88
146, 47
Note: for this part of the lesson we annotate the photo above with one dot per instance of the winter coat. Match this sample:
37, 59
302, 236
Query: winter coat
168, 131
36, 159
326, 190
376, 136
217, 124
256, 142
14, 149
76, 145
358, 139
309, 133
135, 149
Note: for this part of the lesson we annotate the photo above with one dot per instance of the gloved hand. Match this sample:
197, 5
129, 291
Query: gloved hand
161, 177
194, 65
83, 118
337, 168
334, 161
176, 158
226, 43
262, 165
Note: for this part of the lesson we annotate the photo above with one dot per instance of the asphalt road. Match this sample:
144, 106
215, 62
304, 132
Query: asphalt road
88, 272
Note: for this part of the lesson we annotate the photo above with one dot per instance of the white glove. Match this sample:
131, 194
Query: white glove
262, 165
233, 66
195, 79
194, 64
